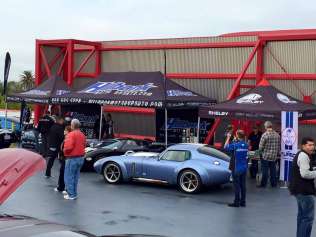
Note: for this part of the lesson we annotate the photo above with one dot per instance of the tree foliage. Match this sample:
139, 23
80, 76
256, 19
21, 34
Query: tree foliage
26, 82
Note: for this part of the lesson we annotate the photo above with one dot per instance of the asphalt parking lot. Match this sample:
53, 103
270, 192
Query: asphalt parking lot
151, 209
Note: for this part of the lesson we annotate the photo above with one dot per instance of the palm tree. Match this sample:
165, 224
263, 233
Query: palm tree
27, 80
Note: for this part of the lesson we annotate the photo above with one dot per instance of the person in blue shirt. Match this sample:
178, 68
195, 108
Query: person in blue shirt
239, 150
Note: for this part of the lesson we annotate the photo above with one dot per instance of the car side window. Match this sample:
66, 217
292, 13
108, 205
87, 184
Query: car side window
179, 156
130, 144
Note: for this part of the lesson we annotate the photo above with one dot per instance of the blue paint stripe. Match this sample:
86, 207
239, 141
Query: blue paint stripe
291, 119
287, 120
285, 170
290, 171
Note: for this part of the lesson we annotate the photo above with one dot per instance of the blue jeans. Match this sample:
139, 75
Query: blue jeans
305, 215
72, 172
267, 166
239, 181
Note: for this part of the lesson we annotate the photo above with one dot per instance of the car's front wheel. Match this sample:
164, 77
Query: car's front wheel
189, 181
112, 173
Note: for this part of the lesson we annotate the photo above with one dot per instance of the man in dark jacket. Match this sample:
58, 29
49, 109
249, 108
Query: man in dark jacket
303, 187
44, 125
55, 139
239, 151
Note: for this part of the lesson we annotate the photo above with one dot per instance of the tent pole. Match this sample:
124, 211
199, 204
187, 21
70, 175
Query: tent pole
6, 114
166, 127
101, 118
198, 129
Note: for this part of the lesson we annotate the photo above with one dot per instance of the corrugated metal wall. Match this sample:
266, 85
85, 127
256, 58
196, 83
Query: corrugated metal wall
50, 53
78, 59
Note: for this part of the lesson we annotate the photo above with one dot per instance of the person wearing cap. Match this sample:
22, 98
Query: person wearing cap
74, 150
239, 150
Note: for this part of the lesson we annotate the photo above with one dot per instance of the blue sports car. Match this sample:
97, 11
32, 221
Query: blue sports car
189, 166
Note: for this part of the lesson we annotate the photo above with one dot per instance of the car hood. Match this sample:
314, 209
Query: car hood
16, 166
24, 226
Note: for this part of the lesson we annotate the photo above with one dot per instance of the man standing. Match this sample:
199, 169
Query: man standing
303, 187
74, 147
253, 141
239, 151
55, 139
109, 130
270, 147
44, 124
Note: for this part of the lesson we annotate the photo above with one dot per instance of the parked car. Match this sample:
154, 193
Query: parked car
7, 137
112, 147
189, 166
30, 139
16, 165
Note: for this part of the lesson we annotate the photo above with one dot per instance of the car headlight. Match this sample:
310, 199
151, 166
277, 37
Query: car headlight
216, 162
89, 159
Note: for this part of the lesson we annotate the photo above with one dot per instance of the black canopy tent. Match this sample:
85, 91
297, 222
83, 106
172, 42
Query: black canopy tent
138, 89
264, 102
44, 93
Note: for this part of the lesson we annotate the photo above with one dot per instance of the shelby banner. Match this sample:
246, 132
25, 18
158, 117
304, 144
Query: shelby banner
289, 139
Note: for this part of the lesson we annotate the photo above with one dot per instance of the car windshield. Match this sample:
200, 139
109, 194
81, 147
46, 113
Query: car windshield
116, 144
105, 143
210, 151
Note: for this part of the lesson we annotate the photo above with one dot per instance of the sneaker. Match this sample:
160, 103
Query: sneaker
243, 205
65, 192
57, 190
69, 198
47, 176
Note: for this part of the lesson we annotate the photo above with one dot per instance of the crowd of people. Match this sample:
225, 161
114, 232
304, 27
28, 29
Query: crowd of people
62, 139
267, 145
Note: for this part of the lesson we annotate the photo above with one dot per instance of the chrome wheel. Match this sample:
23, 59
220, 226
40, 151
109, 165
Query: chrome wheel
112, 173
189, 181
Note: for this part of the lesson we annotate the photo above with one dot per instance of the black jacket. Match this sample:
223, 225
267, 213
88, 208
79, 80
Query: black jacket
44, 124
56, 136
299, 185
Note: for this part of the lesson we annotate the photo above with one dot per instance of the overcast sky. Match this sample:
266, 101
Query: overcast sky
24, 21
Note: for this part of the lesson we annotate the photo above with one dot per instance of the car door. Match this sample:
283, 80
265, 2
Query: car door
163, 168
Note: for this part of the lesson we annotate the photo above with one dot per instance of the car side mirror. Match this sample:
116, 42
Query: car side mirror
128, 153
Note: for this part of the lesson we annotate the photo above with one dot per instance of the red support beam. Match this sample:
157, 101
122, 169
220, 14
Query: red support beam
234, 90
177, 46
54, 60
288, 37
84, 62
62, 64
259, 69
43, 57
137, 110
70, 63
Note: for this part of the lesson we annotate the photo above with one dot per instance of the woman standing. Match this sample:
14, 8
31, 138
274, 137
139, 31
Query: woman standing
74, 146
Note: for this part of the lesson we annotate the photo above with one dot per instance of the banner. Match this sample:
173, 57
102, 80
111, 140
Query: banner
289, 142
7, 65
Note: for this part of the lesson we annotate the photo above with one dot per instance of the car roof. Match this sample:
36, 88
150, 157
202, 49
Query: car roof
186, 146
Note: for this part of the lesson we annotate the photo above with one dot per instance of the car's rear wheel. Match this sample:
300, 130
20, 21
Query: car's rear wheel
112, 173
189, 181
